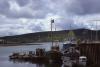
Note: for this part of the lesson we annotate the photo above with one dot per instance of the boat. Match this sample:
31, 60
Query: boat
70, 41
67, 61
83, 60
14, 55
39, 56
71, 55
55, 54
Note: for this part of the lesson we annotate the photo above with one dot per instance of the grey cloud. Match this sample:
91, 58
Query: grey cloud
13, 29
90, 6
4, 7
22, 2
67, 24
22, 14
35, 9
36, 27
39, 9
84, 7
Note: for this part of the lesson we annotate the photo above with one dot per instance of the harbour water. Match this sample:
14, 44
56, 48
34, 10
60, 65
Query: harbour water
6, 51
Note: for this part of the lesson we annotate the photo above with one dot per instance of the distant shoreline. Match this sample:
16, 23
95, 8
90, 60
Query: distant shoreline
25, 44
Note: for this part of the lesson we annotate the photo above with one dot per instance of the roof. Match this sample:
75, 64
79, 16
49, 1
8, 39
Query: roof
82, 57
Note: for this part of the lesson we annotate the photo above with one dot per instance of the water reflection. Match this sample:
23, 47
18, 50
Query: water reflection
17, 61
37, 64
40, 65
54, 65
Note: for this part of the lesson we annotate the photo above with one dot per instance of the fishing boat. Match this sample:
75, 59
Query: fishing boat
14, 56
55, 54
39, 56
71, 55
70, 41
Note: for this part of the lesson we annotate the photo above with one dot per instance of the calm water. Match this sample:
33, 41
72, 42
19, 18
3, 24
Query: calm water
6, 51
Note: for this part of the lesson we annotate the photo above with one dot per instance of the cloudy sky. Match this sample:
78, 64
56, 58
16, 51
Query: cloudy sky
27, 16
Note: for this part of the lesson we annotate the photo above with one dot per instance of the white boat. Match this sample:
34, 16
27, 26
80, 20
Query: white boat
82, 60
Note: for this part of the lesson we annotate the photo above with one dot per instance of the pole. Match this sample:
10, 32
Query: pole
91, 32
52, 21
96, 32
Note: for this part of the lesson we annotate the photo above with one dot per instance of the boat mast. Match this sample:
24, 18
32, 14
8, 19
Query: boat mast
96, 23
52, 21
70, 30
96, 32
91, 31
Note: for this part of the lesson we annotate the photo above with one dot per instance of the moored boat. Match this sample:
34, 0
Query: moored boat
55, 54
70, 53
38, 56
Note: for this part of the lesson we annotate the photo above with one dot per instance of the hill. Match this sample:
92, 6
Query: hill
46, 36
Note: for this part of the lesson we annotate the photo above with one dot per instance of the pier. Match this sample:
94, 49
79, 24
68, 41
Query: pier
92, 52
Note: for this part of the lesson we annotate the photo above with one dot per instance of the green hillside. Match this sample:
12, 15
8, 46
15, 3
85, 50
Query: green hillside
46, 36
